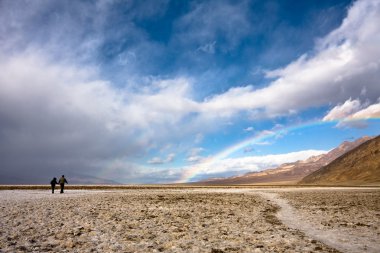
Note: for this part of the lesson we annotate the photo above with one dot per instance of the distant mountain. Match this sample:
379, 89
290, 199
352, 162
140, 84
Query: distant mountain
289, 173
360, 166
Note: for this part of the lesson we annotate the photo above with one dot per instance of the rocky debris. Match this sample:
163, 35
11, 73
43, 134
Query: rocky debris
147, 221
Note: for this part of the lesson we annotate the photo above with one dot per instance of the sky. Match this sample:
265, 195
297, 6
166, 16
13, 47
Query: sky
178, 91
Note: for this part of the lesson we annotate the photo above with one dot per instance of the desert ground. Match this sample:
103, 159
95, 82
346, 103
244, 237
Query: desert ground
282, 219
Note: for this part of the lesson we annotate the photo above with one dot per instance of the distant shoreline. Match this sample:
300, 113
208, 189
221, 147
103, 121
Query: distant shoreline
173, 186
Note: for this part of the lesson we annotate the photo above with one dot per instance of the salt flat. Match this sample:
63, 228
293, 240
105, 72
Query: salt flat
191, 220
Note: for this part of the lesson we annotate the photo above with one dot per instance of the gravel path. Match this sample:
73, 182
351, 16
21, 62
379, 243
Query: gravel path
345, 241
206, 220
346, 219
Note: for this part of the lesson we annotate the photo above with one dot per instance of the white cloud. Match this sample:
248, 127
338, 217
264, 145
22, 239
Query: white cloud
353, 113
252, 163
341, 111
207, 22
194, 159
372, 111
344, 63
194, 155
158, 160
208, 48
249, 129
170, 158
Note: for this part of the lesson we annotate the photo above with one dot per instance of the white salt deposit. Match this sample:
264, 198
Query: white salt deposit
187, 220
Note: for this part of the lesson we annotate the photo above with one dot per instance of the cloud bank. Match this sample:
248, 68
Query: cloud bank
353, 113
233, 166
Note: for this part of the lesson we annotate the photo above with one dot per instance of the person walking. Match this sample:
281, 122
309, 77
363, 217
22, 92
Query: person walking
62, 182
53, 182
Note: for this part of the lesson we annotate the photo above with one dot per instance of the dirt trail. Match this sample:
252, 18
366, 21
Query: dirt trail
338, 239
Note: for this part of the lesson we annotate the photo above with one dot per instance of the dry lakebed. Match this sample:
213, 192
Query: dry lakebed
211, 220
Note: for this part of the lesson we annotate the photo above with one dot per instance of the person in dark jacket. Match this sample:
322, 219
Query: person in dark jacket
62, 182
53, 182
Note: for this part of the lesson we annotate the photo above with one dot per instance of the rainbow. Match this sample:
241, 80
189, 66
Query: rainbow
189, 173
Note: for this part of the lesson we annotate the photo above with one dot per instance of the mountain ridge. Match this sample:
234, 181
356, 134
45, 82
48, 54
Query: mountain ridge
360, 165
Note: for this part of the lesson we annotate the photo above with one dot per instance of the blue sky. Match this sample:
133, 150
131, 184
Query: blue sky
168, 91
